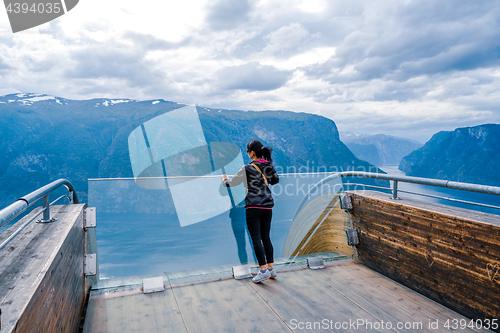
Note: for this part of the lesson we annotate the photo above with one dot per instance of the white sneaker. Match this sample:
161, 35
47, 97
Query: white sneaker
261, 276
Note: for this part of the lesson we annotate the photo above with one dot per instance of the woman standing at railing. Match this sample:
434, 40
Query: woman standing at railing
257, 176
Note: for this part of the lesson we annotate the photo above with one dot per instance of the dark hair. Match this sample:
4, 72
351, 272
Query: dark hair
260, 150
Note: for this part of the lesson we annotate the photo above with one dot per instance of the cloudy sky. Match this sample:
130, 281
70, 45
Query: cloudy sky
406, 68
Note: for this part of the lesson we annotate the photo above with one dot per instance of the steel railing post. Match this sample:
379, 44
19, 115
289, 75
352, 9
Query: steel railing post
395, 189
46, 211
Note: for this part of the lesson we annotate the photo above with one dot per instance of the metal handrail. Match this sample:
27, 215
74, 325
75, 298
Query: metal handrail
415, 180
394, 178
20, 205
422, 181
425, 195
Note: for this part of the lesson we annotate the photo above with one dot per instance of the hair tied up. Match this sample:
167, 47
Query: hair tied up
266, 153
260, 150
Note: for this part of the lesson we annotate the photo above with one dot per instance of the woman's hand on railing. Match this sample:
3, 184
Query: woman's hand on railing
224, 177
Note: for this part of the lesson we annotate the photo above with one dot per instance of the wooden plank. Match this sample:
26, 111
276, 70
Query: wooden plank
56, 282
439, 282
225, 306
27, 252
423, 248
439, 209
105, 311
22, 246
413, 300
62, 286
368, 297
129, 310
115, 317
96, 318
167, 314
352, 281
416, 223
301, 299
433, 249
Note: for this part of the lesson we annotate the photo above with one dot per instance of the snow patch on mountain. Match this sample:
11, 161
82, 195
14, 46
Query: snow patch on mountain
39, 98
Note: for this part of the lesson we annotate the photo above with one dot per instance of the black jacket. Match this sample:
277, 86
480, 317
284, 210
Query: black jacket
258, 193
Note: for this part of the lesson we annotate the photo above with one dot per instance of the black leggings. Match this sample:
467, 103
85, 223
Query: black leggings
259, 226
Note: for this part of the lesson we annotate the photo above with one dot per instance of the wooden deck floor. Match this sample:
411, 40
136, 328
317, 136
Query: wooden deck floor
344, 297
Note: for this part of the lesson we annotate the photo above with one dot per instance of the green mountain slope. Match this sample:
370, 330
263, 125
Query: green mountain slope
44, 138
469, 154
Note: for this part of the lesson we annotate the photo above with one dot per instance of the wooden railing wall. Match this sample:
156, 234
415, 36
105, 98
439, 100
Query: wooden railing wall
42, 283
448, 254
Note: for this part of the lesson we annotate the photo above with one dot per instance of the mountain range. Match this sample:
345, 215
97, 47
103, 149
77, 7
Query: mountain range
44, 138
379, 149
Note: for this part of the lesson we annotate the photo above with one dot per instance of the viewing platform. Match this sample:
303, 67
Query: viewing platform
411, 266
344, 297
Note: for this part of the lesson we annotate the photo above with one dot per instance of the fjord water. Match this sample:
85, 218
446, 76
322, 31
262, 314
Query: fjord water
139, 231
444, 192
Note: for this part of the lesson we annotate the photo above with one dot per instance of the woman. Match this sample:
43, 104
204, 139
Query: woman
257, 176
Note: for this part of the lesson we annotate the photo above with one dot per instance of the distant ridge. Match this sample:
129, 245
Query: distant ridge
47, 137
379, 149
468, 154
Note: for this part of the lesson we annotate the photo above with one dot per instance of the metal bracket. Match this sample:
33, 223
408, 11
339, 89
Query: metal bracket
46, 211
152, 285
352, 237
345, 201
315, 263
242, 272
90, 218
53, 219
90, 264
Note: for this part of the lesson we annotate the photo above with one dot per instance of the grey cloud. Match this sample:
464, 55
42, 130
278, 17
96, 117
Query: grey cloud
113, 61
324, 29
228, 14
150, 42
252, 76
249, 48
41, 65
7, 40
3, 66
421, 38
420, 129
285, 38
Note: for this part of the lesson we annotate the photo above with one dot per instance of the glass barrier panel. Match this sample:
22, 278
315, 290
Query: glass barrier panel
169, 224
